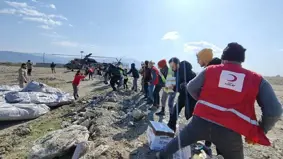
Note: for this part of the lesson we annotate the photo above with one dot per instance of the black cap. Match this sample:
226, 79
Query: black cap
234, 52
175, 60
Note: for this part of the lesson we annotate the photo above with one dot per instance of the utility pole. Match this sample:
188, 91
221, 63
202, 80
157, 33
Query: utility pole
43, 57
82, 54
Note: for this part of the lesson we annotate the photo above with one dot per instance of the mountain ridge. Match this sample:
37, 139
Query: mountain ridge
21, 57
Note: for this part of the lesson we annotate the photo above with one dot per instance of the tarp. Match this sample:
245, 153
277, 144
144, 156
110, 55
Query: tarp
21, 111
31, 101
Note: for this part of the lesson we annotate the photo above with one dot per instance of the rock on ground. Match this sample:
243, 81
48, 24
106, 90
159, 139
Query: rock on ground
57, 143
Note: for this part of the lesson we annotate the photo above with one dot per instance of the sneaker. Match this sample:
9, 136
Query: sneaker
161, 113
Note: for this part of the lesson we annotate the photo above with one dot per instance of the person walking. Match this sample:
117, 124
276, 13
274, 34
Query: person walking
23, 75
135, 74
29, 67
167, 93
115, 76
77, 79
52, 66
225, 110
90, 72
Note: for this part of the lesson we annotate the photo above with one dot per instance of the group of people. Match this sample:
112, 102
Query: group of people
219, 101
118, 76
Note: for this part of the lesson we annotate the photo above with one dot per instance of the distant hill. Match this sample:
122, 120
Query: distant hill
19, 57
16, 57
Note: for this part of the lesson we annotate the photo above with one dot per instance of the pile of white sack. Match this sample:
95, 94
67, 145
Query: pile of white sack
30, 102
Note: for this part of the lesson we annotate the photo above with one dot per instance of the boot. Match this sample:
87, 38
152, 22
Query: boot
162, 112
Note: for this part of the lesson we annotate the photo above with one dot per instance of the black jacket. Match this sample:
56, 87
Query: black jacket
147, 74
134, 71
215, 61
183, 75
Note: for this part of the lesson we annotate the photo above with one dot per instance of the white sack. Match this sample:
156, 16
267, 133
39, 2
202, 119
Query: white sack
34, 86
17, 97
22, 111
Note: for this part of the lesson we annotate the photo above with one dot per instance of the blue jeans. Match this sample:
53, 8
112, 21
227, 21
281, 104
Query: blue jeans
150, 92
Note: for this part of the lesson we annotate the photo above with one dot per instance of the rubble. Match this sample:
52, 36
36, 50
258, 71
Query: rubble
57, 143
137, 114
22, 130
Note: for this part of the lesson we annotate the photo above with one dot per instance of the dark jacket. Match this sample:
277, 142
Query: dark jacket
53, 65
147, 75
164, 72
114, 71
183, 75
215, 61
134, 71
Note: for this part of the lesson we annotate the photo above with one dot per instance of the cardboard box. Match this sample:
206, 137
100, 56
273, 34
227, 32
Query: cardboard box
158, 135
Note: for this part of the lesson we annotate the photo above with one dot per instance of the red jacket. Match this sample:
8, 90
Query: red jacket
155, 75
228, 98
78, 79
91, 70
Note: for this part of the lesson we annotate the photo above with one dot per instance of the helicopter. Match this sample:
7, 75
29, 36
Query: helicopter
88, 60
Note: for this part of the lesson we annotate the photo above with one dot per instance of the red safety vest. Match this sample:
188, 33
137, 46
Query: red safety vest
227, 98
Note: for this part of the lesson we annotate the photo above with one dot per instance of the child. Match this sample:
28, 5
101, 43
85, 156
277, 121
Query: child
76, 82
90, 73
125, 79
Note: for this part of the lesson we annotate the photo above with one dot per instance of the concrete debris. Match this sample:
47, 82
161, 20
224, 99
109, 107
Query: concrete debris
86, 123
22, 130
137, 114
57, 143
65, 124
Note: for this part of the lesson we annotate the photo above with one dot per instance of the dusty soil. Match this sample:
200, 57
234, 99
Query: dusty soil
124, 137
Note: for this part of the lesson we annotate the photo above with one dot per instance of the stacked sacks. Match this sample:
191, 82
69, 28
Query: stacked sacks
31, 102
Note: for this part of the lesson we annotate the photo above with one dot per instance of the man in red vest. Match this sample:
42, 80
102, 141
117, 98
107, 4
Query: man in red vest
225, 110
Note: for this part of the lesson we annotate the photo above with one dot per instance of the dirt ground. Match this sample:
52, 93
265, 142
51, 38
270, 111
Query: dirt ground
125, 138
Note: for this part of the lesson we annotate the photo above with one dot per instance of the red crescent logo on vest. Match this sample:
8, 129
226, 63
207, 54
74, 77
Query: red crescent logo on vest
234, 78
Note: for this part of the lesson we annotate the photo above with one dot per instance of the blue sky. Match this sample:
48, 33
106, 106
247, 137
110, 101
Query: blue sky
146, 29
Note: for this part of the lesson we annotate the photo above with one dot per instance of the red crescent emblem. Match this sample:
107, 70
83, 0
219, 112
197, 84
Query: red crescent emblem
234, 78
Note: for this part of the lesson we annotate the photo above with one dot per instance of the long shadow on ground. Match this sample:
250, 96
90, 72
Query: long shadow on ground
7, 124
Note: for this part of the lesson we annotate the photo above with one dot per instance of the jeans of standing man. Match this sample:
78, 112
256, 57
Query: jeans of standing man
145, 89
156, 95
171, 97
150, 92
135, 84
227, 141
76, 90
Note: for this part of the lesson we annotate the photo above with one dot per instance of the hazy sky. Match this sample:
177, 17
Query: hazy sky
146, 29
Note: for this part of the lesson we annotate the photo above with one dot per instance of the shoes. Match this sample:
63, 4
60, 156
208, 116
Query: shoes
161, 113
